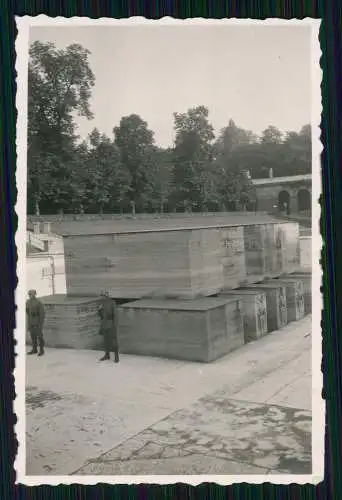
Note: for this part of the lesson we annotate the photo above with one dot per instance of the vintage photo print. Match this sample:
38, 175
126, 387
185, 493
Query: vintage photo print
168, 299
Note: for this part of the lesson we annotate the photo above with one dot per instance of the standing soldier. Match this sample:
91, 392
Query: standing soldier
35, 321
107, 312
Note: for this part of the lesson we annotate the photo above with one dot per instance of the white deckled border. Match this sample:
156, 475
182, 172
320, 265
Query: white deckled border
318, 405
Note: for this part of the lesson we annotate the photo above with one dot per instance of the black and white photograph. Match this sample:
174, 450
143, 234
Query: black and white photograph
169, 303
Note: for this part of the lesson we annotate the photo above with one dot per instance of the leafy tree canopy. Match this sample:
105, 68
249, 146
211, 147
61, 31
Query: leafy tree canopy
128, 171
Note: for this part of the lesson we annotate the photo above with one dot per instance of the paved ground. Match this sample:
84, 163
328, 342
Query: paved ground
248, 413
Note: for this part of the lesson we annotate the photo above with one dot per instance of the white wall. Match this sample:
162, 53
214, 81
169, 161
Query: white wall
54, 243
46, 270
46, 274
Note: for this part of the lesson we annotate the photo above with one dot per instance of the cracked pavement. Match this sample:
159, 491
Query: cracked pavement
247, 413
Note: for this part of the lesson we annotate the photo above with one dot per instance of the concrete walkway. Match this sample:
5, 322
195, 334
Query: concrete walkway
247, 413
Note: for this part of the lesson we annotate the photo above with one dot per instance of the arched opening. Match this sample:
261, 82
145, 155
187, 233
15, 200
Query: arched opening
304, 200
284, 202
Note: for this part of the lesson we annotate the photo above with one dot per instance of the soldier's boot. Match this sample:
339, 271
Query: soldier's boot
34, 341
105, 357
116, 357
41, 348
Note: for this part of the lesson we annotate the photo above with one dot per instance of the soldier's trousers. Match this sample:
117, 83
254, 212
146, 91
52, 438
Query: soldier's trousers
111, 343
36, 333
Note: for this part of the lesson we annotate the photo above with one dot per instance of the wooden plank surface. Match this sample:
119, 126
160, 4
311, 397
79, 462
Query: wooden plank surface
225, 329
294, 297
306, 278
197, 330
71, 323
129, 265
254, 312
146, 222
276, 304
233, 256
291, 247
271, 250
206, 268
179, 263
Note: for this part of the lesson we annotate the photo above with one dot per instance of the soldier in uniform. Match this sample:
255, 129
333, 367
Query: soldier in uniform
107, 312
35, 321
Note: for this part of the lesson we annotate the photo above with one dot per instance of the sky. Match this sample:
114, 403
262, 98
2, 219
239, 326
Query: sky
256, 75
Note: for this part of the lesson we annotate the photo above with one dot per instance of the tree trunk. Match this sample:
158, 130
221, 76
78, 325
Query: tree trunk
133, 208
37, 208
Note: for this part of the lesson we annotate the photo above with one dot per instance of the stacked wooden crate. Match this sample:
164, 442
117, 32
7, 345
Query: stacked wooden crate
183, 263
294, 296
180, 263
276, 304
306, 278
233, 257
254, 308
171, 275
195, 330
271, 250
288, 234
71, 322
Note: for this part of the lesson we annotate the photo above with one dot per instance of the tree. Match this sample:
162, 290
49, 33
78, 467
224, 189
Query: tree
233, 137
193, 154
106, 180
59, 85
306, 141
160, 179
236, 191
296, 152
305, 132
233, 186
249, 157
236, 153
135, 143
271, 135
272, 152
300, 143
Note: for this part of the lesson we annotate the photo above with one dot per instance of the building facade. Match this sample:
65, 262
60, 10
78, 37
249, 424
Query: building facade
286, 194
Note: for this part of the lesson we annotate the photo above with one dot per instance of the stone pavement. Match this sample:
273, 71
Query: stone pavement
247, 413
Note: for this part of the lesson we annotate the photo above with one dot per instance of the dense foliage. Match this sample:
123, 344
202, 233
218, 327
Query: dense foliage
129, 172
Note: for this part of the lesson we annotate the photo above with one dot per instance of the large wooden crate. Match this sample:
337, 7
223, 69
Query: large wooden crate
71, 322
171, 262
305, 243
206, 269
183, 263
233, 256
276, 304
195, 330
294, 297
254, 311
271, 249
306, 278
288, 234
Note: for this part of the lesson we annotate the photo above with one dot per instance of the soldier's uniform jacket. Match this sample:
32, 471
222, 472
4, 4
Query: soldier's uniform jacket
35, 313
107, 312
